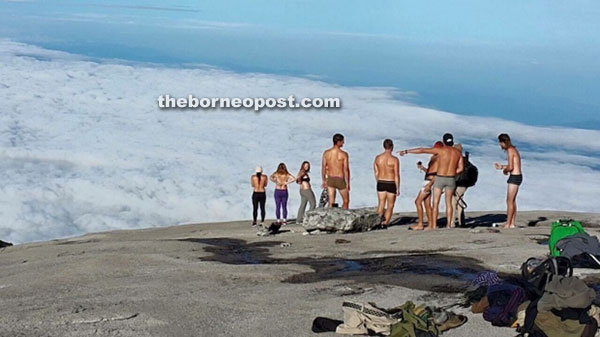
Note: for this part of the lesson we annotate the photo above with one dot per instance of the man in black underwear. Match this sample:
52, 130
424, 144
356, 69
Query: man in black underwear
515, 178
387, 174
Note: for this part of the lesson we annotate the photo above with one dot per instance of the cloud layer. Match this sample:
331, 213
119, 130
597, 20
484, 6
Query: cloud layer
83, 146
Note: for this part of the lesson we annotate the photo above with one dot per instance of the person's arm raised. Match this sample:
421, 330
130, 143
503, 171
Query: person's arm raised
273, 177
419, 150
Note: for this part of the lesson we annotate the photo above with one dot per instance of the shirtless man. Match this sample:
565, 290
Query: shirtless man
335, 171
387, 174
514, 179
450, 164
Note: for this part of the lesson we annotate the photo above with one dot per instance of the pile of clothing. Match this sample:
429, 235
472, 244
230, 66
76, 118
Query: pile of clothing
495, 298
407, 320
548, 301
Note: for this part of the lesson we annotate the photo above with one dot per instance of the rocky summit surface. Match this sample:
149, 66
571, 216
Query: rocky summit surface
220, 279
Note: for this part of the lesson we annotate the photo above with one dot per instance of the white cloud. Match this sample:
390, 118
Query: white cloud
84, 148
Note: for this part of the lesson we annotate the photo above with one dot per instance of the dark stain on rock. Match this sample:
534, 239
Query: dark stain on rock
429, 272
235, 251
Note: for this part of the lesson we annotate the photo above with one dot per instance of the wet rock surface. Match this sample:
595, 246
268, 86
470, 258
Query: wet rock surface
430, 271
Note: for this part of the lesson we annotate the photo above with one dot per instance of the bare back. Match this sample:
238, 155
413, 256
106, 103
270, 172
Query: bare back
281, 180
448, 161
258, 184
335, 161
386, 167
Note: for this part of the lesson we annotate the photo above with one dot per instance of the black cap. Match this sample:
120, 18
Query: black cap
448, 139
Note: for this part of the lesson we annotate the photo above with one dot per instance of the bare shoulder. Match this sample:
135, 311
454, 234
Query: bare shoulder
344, 153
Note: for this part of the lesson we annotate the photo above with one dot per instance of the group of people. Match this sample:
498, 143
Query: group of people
445, 166
281, 178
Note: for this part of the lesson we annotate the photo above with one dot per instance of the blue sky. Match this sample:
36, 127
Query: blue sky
530, 61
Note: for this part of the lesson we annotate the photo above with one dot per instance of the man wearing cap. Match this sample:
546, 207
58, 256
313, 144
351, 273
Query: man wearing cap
450, 164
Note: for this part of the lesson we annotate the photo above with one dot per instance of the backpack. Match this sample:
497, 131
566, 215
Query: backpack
324, 199
537, 273
468, 177
414, 325
562, 229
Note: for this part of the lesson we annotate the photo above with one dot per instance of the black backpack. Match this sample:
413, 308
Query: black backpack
468, 177
538, 272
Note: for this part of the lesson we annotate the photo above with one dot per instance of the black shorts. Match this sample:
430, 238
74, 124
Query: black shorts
515, 179
386, 186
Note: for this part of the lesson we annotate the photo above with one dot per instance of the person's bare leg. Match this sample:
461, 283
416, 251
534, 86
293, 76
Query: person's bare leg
455, 205
428, 208
511, 205
381, 203
346, 197
514, 221
449, 208
419, 204
331, 193
437, 196
391, 200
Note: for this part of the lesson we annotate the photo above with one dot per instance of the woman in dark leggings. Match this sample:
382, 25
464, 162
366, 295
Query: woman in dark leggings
281, 178
259, 197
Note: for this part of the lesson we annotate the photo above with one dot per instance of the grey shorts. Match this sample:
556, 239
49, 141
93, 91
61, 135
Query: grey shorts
443, 182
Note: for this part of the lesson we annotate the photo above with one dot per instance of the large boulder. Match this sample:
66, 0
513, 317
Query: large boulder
341, 220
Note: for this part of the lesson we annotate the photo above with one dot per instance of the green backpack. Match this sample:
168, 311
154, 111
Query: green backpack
413, 325
562, 229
